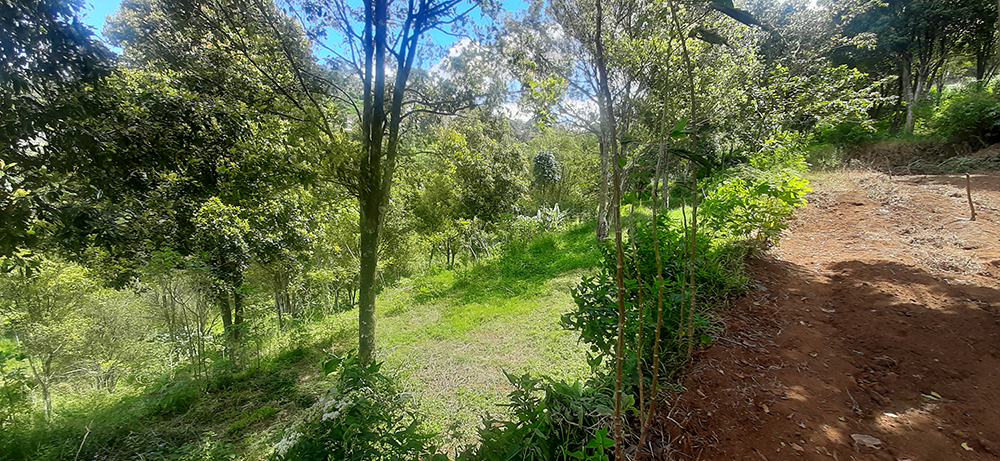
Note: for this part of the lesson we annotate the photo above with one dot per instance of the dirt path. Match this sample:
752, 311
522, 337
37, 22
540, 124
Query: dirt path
879, 315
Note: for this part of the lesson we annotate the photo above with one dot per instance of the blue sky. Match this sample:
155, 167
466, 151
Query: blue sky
97, 10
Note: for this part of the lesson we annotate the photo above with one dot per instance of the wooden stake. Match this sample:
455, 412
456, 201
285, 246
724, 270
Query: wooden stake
968, 194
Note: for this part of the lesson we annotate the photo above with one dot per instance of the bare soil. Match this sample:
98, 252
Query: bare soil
877, 315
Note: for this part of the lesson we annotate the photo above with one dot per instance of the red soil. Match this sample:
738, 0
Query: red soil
878, 314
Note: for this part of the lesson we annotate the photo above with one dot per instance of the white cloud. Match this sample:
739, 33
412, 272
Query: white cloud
440, 69
582, 108
514, 111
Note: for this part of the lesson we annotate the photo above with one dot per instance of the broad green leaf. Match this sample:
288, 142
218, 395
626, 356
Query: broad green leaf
679, 127
708, 36
331, 365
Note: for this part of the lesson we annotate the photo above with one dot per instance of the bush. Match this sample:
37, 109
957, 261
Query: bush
746, 204
846, 134
972, 114
718, 272
552, 420
14, 383
362, 417
172, 398
783, 151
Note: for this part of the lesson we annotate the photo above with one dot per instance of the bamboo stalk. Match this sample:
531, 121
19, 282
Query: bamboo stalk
647, 422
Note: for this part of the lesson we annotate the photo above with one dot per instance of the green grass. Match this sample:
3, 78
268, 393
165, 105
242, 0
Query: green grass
450, 334
447, 335
229, 415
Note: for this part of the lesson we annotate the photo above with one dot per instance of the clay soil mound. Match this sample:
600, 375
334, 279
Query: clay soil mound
871, 332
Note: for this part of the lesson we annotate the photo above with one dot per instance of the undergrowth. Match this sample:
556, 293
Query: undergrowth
179, 419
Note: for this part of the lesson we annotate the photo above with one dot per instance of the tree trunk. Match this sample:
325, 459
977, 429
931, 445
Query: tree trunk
370, 178
906, 80
602, 197
981, 58
282, 302
610, 132
366, 295
46, 400
43, 378
914, 86
237, 315
278, 308
227, 313
375, 173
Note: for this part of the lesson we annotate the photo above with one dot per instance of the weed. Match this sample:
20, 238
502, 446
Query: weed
551, 420
172, 398
254, 417
363, 417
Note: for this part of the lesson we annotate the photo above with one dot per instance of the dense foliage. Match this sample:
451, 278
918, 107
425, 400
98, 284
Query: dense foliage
186, 226
362, 417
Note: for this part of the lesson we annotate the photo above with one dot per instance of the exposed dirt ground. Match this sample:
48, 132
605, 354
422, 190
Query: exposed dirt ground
878, 315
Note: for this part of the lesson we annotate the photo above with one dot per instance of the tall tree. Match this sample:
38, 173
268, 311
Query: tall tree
376, 53
47, 55
919, 36
560, 78
380, 44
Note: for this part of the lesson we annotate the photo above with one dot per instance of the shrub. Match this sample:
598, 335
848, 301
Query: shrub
970, 115
749, 205
718, 270
520, 228
172, 397
845, 134
362, 417
783, 151
14, 390
552, 420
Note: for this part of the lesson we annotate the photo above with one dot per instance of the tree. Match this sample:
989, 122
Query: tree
919, 36
546, 173
372, 52
281, 240
489, 167
157, 167
576, 153
982, 34
376, 48
47, 55
43, 312
560, 78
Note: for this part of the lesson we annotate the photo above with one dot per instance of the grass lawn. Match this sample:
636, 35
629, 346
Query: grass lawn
450, 335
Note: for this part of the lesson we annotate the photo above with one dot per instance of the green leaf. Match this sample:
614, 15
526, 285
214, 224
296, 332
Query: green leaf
602, 437
331, 365
709, 36
622, 162
679, 127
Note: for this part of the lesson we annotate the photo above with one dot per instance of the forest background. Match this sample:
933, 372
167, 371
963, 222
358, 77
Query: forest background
203, 228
